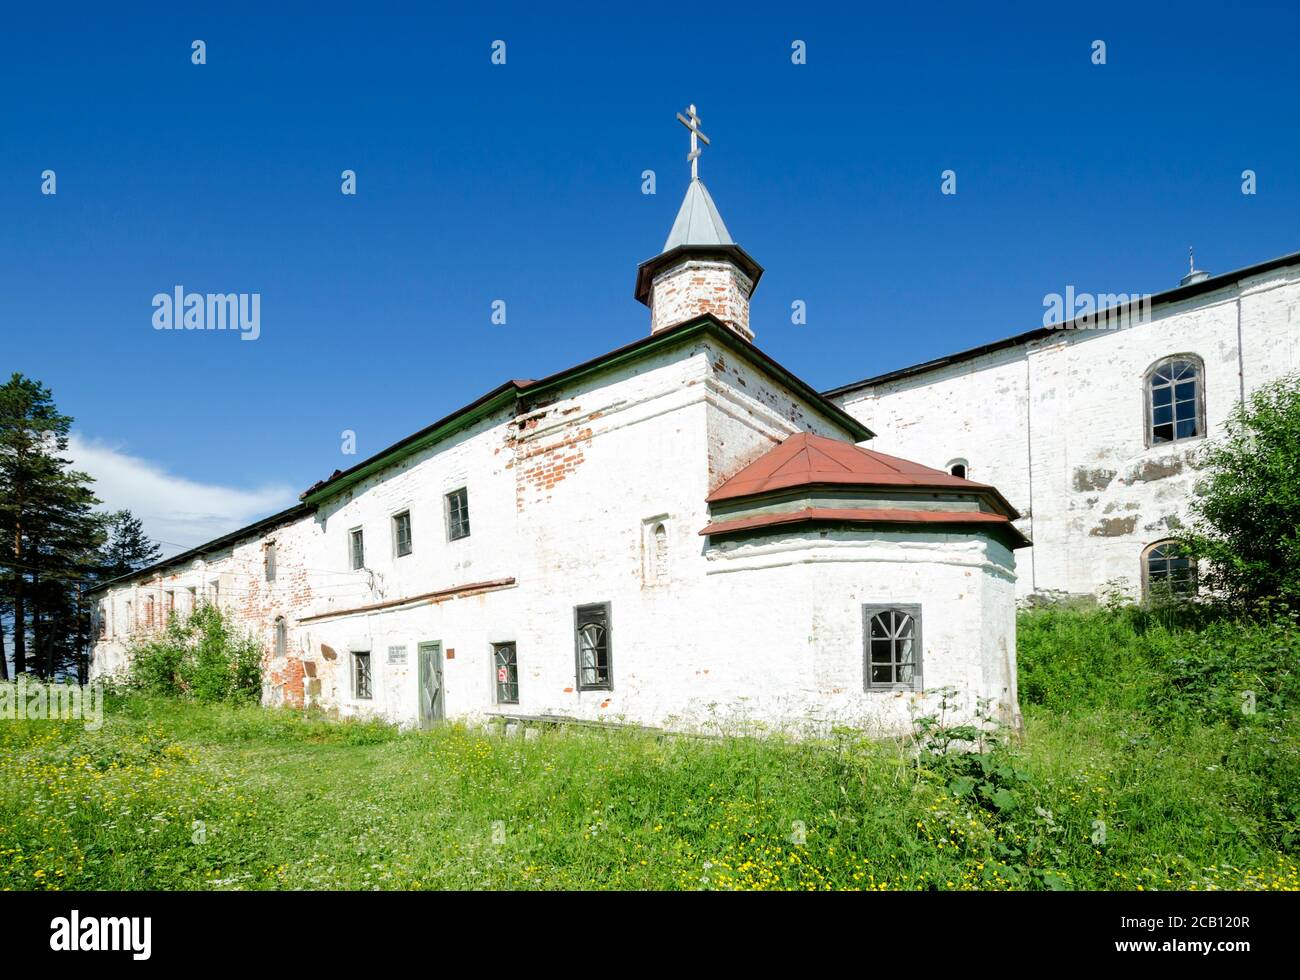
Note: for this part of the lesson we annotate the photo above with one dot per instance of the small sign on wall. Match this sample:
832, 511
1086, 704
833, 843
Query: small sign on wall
397, 655
451, 653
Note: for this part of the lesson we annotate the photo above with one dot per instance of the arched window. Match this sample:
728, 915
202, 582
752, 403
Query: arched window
893, 647
1175, 399
660, 564
1166, 567
595, 668
281, 637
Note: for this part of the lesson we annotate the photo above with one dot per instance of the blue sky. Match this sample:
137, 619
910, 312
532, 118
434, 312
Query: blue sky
522, 182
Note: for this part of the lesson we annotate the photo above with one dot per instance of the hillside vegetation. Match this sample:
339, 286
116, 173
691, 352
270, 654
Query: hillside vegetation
1158, 753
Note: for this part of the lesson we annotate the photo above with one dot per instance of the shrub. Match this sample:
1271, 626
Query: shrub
1239, 671
200, 656
1247, 511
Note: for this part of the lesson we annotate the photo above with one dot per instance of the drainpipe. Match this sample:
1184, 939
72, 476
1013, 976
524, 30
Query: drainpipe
1029, 456
1241, 360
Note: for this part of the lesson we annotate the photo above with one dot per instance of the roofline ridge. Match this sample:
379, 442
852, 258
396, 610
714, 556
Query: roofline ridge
1174, 295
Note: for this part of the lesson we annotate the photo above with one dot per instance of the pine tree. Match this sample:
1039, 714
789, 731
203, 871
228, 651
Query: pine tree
48, 530
128, 548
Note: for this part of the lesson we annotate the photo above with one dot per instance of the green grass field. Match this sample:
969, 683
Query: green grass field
1137, 769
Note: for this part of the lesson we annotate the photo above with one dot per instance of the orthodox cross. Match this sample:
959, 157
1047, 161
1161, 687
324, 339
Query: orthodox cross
692, 122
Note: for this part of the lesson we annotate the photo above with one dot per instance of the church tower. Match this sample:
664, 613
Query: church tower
700, 270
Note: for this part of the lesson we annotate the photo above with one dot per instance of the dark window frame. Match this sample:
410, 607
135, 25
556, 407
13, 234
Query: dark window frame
1191, 580
268, 560
397, 538
511, 664
455, 506
869, 612
1149, 388
356, 557
281, 637
585, 615
363, 684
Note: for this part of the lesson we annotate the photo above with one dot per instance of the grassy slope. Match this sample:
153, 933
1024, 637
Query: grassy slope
1188, 796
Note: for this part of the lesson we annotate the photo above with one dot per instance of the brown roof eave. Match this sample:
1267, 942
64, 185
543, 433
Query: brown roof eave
991, 493
880, 517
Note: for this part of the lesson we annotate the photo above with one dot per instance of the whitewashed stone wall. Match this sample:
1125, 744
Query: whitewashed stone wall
563, 500
1057, 424
798, 650
232, 577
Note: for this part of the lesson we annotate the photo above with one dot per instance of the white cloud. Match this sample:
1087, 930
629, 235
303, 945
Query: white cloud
178, 513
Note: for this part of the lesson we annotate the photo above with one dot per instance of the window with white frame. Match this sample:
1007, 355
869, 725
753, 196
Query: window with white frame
1175, 399
892, 642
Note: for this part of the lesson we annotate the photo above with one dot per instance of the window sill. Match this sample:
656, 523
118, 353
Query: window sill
1174, 442
894, 689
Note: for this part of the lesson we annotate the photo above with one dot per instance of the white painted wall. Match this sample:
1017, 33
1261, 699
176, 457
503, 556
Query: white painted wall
563, 499
1057, 425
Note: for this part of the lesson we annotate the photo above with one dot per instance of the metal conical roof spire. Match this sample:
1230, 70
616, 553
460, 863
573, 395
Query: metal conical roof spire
698, 221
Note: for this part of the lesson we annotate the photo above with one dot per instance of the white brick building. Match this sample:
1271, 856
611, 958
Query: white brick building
1075, 426
678, 533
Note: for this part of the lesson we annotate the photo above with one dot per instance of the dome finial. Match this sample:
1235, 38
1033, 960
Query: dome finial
1193, 274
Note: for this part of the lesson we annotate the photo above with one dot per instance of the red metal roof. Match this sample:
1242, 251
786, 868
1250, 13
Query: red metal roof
804, 459
877, 515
